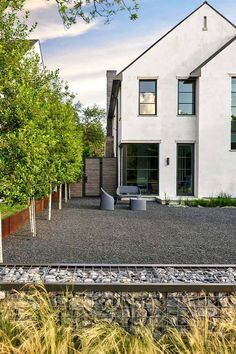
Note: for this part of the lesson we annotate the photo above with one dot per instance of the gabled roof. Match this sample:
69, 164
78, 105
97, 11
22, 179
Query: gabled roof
204, 3
197, 71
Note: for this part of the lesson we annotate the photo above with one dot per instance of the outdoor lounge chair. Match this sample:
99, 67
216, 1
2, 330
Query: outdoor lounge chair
106, 201
127, 192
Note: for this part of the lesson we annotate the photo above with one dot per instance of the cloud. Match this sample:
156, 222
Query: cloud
50, 25
85, 69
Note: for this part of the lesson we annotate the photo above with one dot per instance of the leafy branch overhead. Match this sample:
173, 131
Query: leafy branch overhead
87, 10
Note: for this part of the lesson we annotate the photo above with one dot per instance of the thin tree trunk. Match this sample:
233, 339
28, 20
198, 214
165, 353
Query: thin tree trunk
50, 204
31, 216
69, 192
1, 253
60, 196
66, 193
34, 219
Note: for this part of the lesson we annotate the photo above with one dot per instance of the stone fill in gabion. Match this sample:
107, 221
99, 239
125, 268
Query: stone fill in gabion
117, 275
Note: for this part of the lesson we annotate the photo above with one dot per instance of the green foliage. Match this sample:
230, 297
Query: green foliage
222, 200
72, 10
7, 210
91, 124
91, 9
40, 139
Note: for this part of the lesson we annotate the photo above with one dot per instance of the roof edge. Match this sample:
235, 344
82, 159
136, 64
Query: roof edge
197, 72
172, 29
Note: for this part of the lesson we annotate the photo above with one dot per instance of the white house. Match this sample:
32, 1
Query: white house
170, 111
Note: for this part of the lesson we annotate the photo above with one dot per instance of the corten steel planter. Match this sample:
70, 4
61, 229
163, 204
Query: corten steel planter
14, 222
55, 196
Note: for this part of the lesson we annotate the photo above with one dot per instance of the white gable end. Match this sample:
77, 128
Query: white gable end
205, 39
186, 46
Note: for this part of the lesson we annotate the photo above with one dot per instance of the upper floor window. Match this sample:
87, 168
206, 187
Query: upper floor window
234, 96
186, 97
147, 97
233, 112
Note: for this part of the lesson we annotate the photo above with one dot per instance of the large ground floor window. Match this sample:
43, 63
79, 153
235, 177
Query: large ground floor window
233, 134
141, 167
185, 169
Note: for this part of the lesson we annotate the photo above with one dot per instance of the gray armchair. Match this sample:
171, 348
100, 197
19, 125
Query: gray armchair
106, 201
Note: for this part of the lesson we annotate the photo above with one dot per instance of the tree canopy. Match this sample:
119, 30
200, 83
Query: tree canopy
40, 139
91, 122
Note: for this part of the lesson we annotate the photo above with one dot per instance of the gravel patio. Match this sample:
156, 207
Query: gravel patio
81, 233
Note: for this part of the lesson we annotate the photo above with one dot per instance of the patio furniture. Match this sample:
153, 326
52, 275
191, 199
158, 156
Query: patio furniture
138, 204
127, 192
106, 201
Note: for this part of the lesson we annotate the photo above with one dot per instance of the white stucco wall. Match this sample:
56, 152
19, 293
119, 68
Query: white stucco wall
217, 163
175, 56
37, 49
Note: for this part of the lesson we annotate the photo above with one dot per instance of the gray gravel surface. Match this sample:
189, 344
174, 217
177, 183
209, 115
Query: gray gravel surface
81, 233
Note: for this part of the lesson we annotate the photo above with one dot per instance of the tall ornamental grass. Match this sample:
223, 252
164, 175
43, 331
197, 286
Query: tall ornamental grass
30, 323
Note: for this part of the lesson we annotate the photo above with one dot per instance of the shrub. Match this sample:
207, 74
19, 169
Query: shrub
222, 200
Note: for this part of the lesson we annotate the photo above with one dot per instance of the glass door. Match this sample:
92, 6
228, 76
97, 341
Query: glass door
185, 169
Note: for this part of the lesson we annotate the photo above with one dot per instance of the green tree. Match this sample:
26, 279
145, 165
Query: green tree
40, 138
91, 123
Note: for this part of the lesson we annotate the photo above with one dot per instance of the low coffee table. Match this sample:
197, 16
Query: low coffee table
137, 204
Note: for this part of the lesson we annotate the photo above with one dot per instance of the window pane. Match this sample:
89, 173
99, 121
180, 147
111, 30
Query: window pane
233, 137
234, 111
142, 163
186, 86
186, 109
147, 97
185, 169
134, 150
234, 85
147, 108
234, 99
233, 126
186, 97
142, 167
147, 86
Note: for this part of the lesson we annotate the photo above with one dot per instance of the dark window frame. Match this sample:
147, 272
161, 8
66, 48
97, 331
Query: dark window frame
193, 170
232, 144
155, 103
193, 98
125, 168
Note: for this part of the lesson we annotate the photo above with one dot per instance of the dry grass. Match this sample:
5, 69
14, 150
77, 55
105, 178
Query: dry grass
37, 327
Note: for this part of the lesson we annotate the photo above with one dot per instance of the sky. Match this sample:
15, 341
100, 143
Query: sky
85, 51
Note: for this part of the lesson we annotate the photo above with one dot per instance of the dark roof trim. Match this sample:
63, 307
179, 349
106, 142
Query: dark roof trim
197, 71
204, 3
114, 93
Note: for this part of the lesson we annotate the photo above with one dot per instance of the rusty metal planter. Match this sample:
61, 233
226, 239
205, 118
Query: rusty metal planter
14, 222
